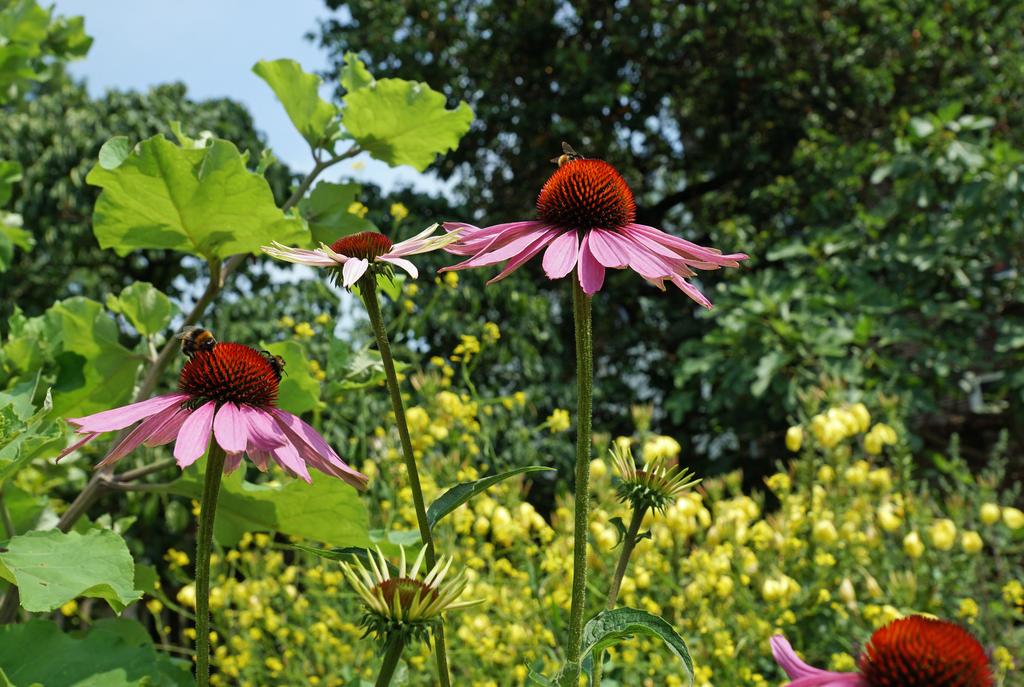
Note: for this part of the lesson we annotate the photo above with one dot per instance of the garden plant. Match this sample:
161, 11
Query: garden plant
259, 427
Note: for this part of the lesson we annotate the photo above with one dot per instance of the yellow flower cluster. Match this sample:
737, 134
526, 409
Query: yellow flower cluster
846, 546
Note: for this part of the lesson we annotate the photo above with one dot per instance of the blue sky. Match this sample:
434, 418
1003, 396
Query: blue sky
211, 47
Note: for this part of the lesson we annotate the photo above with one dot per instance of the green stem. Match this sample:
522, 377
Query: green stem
5, 515
204, 545
570, 674
628, 544
391, 656
368, 289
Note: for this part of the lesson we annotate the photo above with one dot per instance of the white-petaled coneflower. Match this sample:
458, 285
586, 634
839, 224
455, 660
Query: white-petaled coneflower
655, 486
402, 605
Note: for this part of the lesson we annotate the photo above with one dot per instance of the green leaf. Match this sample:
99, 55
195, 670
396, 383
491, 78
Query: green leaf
23, 507
148, 309
10, 174
114, 653
328, 510
402, 122
299, 92
354, 74
299, 391
114, 152
12, 236
464, 491
326, 211
26, 434
97, 372
539, 678
201, 201
608, 628
54, 567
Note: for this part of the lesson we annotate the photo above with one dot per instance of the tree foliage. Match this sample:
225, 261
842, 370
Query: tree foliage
759, 128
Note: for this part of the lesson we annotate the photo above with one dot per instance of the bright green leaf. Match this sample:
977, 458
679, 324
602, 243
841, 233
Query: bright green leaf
114, 653
326, 211
54, 567
201, 201
403, 122
608, 628
299, 92
114, 152
148, 309
12, 236
354, 74
299, 391
97, 372
328, 510
10, 174
460, 493
23, 507
26, 435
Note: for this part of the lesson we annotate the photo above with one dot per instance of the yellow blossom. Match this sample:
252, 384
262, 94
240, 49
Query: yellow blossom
912, 545
303, 330
358, 209
971, 542
451, 279
1013, 518
794, 438
943, 534
990, 513
558, 421
398, 211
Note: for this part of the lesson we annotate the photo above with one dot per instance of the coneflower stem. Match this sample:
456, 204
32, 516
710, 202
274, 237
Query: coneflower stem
570, 674
629, 542
391, 655
204, 545
368, 290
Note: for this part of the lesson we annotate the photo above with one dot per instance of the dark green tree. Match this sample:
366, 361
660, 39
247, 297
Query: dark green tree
759, 127
56, 137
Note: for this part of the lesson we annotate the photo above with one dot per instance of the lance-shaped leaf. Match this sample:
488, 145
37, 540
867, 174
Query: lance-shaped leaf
299, 92
608, 628
201, 201
464, 491
401, 122
54, 567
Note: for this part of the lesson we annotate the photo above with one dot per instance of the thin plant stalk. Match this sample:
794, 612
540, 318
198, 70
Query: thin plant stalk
368, 290
629, 542
570, 674
391, 655
204, 545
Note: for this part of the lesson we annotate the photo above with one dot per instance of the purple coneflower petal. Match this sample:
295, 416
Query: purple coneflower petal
352, 270
169, 428
283, 451
137, 436
78, 444
299, 256
606, 249
119, 418
232, 461
805, 675
692, 291
230, 428
500, 249
688, 248
194, 435
403, 263
540, 241
311, 444
560, 256
591, 272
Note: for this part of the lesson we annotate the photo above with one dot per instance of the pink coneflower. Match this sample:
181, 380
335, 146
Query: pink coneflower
356, 254
229, 390
586, 220
910, 652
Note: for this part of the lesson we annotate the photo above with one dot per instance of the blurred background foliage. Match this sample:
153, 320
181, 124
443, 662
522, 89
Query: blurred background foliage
867, 155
